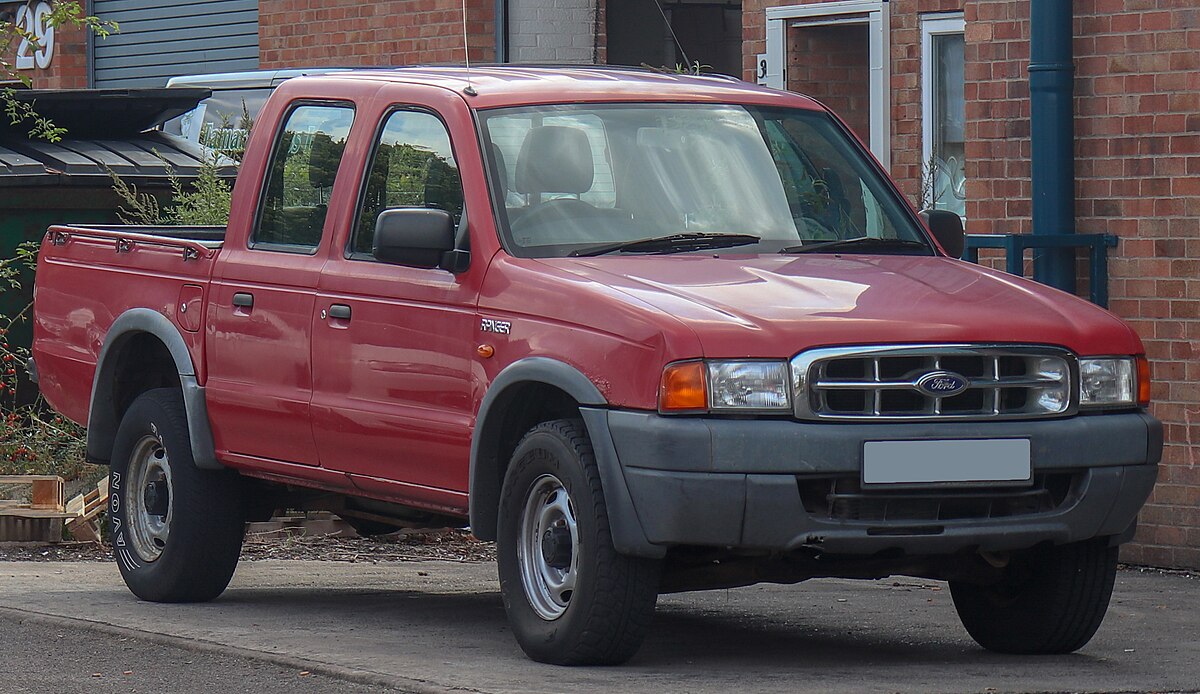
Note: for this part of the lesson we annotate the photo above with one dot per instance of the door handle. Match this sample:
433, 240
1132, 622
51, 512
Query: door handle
341, 311
243, 299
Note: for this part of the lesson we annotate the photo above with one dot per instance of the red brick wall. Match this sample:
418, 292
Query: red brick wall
997, 131
294, 33
832, 64
68, 67
1138, 176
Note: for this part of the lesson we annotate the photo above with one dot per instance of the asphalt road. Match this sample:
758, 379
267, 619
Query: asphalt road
439, 626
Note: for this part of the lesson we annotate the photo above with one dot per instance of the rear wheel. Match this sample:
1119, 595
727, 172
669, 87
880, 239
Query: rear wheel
176, 529
571, 598
1050, 600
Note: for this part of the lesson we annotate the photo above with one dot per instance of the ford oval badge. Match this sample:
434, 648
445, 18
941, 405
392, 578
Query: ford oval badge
942, 384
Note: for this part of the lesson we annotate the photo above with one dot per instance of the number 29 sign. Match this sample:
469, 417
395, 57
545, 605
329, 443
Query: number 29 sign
33, 21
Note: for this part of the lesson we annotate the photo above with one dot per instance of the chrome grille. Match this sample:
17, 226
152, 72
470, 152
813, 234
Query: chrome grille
879, 383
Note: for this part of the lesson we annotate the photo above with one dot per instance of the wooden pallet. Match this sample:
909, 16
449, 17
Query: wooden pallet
38, 520
86, 510
313, 523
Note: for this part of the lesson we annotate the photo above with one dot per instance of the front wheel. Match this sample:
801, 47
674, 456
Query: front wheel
1050, 600
570, 597
176, 529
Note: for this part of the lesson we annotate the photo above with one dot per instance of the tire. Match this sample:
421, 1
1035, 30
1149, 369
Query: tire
176, 529
571, 598
1050, 600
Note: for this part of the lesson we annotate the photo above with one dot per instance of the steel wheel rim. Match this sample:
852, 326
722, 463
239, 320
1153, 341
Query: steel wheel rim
548, 584
148, 464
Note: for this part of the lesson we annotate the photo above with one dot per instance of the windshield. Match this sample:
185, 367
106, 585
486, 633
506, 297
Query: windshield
574, 177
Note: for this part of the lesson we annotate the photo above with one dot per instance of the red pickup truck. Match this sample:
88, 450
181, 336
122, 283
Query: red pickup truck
648, 332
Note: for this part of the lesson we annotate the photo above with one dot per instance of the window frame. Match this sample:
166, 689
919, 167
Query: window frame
876, 16
294, 249
933, 25
348, 251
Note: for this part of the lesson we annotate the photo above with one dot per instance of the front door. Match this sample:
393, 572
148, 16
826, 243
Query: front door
263, 297
392, 345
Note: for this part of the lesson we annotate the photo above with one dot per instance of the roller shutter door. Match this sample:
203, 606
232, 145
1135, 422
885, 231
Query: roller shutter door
160, 39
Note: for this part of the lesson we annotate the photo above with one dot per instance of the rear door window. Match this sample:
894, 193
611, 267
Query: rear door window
300, 178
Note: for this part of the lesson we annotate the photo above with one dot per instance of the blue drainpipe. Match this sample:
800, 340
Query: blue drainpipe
1051, 86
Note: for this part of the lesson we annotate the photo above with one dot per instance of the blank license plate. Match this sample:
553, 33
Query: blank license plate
954, 462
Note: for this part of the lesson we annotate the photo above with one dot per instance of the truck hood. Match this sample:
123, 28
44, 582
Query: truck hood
775, 306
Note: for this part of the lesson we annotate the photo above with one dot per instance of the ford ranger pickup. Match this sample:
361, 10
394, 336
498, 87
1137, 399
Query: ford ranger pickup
648, 332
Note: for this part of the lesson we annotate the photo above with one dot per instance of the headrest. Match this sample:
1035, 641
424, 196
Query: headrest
501, 169
555, 159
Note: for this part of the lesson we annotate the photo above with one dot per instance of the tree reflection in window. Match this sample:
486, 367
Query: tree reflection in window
301, 176
413, 166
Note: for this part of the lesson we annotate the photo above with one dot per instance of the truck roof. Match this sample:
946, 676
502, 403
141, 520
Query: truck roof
511, 85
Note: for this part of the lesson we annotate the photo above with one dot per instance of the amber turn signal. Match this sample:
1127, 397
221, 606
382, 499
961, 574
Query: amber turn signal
683, 388
1143, 381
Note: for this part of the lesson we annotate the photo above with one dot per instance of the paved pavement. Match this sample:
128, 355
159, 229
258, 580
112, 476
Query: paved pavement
41, 656
439, 626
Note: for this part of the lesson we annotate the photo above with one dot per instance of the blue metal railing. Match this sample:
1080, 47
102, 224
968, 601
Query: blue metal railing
1015, 245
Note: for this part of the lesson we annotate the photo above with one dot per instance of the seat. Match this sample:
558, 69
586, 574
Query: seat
554, 159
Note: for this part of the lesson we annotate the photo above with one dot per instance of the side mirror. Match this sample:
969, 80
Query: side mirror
415, 236
947, 228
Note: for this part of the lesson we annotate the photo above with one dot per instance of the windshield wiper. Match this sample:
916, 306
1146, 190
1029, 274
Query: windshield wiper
692, 241
861, 244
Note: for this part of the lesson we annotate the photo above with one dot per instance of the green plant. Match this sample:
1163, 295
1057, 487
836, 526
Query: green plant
138, 207
203, 202
208, 200
693, 68
33, 439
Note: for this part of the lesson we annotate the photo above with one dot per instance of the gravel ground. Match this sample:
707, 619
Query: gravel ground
445, 545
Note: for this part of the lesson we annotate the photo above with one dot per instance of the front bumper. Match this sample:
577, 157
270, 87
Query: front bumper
717, 482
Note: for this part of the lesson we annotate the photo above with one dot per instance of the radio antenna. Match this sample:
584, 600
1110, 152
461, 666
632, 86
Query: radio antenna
469, 90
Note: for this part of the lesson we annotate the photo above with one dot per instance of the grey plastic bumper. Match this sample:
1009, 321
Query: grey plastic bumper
722, 482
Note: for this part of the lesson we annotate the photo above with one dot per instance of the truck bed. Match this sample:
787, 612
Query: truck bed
89, 275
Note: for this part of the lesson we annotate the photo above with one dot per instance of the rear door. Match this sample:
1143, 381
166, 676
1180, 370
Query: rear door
263, 299
393, 346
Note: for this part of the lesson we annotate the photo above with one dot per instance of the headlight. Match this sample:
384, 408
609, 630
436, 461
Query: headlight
1053, 398
725, 386
1108, 382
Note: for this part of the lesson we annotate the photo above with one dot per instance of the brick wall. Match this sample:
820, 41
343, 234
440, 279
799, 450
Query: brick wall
1138, 168
831, 64
297, 33
1138, 176
68, 67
